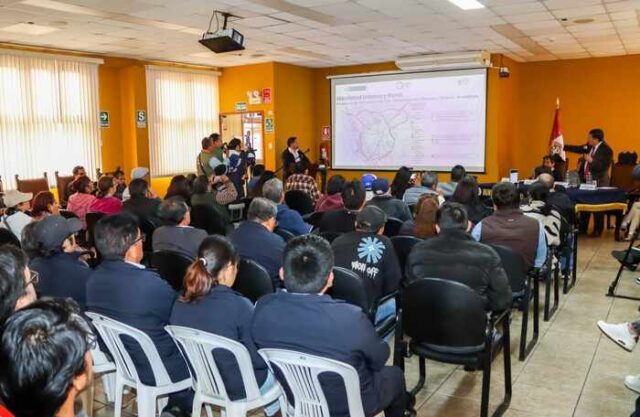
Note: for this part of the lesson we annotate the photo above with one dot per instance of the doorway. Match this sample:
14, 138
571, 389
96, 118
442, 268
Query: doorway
247, 127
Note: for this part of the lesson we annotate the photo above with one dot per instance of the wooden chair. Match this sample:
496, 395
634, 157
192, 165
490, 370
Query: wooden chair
33, 185
62, 184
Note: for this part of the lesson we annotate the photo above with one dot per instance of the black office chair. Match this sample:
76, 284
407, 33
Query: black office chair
8, 238
207, 218
392, 227
522, 286
171, 266
68, 214
447, 322
313, 218
299, 201
350, 287
284, 233
147, 227
330, 236
403, 246
92, 219
252, 281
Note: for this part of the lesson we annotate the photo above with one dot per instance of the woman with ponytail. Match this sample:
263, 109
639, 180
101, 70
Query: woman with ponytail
209, 304
106, 202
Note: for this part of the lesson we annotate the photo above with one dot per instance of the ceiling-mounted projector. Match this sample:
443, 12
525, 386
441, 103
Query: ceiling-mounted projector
223, 40
476, 59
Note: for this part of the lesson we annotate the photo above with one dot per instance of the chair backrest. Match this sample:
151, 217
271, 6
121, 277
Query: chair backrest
198, 348
147, 227
284, 233
299, 201
392, 227
513, 264
206, 218
91, 219
313, 218
403, 245
33, 185
330, 236
621, 176
171, 266
112, 332
253, 281
444, 314
301, 372
350, 287
62, 183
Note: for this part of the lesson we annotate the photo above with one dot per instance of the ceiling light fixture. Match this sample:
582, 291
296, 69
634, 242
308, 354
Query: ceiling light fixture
468, 4
29, 29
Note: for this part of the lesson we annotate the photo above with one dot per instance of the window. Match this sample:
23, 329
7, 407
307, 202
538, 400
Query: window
48, 115
183, 108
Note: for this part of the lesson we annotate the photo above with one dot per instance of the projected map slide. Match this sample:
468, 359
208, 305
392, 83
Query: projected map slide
422, 120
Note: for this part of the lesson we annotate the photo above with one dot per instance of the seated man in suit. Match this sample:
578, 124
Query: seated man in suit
370, 254
62, 273
287, 219
509, 226
45, 360
456, 256
177, 236
141, 202
304, 319
344, 220
254, 239
122, 289
388, 203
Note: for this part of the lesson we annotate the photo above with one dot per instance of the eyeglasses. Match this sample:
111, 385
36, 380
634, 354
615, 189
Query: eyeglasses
34, 278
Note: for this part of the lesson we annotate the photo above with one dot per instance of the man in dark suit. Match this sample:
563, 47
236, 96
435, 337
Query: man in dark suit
176, 235
594, 165
255, 240
290, 157
122, 289
305, 319
141, 203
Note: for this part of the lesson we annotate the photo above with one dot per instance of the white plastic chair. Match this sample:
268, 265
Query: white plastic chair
208, 384
301, 373
111, 332
103, 367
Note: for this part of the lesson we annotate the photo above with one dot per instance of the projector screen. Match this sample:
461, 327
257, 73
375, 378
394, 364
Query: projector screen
424, 120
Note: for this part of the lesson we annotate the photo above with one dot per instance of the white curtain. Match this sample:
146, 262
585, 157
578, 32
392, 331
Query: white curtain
48, 115
182, 106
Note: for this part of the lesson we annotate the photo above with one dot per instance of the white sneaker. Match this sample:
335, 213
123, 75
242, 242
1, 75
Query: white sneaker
632, 382
619, 333
638, 281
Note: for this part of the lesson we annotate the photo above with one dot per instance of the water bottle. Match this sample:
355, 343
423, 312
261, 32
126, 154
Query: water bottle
587, 177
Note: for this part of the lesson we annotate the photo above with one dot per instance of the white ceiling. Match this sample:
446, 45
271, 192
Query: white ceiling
321, 33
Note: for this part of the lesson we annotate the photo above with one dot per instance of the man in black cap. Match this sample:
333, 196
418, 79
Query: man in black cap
370, 254
61, 272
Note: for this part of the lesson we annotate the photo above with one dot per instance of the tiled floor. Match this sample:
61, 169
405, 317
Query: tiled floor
573, 371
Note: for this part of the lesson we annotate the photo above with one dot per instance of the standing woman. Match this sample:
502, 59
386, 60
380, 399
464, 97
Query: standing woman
81, 199
209, 304
106, 202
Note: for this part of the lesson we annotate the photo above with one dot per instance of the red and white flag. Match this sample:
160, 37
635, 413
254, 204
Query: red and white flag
556, 141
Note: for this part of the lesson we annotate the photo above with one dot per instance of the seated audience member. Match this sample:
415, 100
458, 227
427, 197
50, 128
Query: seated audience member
78, 172
548, 167
44, 204
448, 188
105, 202
539, 209
467, 193
141, 203
254, 239
179, 187
237, 167
45, 359
370, 254
141, 173
424, 225
631, 221
305, 319
454, 255
344, 220
176, 235
509, 226
224, 191
15, 217
287, 218
17, 282
257, 189
428, 185
558, 198
124, 290
301, 180
62, 273
256, 172
332, 200
401, 182
209, 304
203, 196
81, 199
386, 202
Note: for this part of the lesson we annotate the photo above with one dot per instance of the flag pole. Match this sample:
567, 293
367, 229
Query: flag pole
557, 102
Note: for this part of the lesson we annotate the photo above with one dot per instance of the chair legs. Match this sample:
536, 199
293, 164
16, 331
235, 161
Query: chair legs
553, 276
196, 410
525, 348
422, 367
119, 392
486, 373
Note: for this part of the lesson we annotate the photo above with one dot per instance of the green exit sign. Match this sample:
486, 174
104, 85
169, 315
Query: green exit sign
104, 119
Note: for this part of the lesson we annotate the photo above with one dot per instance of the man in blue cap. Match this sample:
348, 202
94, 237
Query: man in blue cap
386, 202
